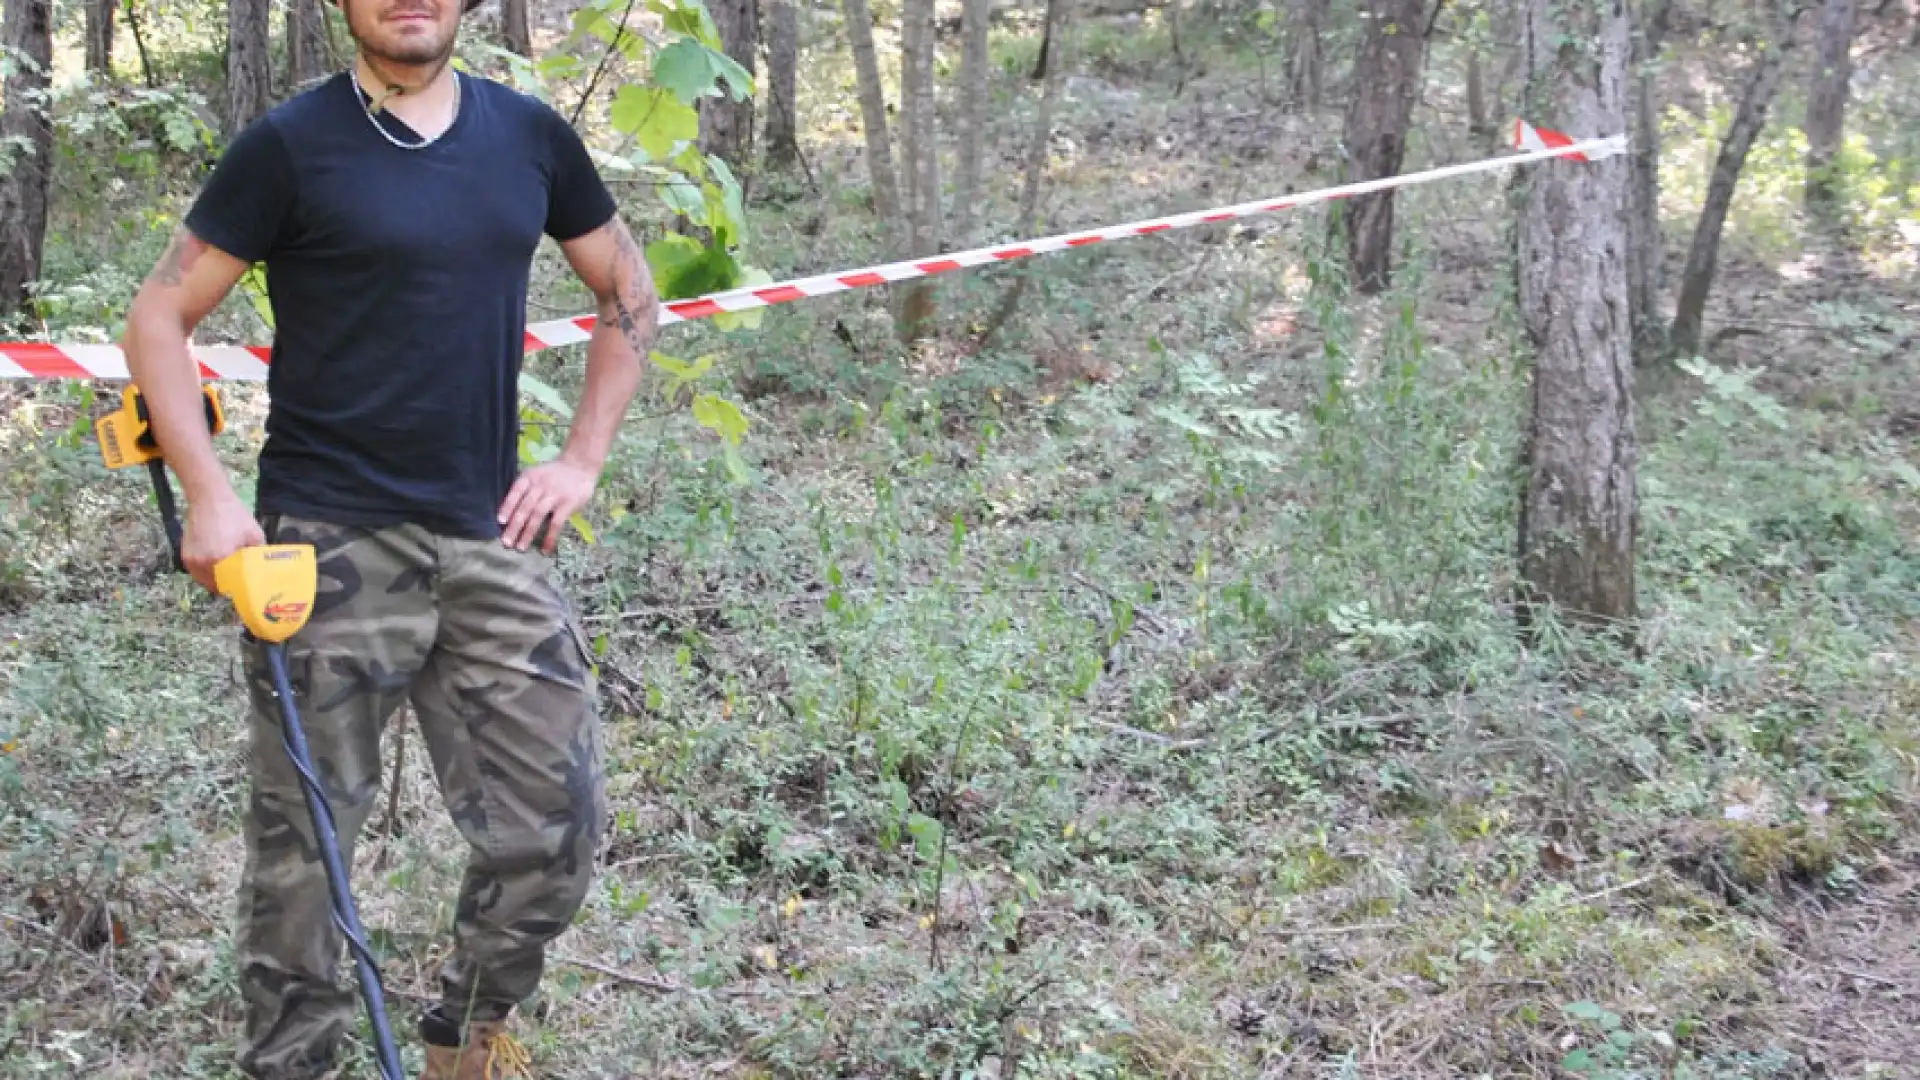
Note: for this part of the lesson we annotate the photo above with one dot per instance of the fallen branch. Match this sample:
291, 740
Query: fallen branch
664, 986
645, 982
1148, 736
1604, 893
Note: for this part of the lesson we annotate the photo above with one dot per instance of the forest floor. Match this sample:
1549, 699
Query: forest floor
1137, 696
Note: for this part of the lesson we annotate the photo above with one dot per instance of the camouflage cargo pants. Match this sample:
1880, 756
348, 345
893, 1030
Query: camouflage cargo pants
486, 648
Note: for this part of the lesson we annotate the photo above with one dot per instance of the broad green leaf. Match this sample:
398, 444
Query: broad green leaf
672, 258
694, 69
560, 66
546, 395
690, 159
726, 212
657, 119
680, 374
592, 20
1578, 1061
688, 17
737, 78
630, 107
720, 415
686, 67
683, 196
1584, 1010
683, 267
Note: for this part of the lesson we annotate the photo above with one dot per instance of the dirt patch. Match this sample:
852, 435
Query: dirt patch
1850, 987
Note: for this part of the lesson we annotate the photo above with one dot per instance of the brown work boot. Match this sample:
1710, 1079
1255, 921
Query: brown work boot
490, 1054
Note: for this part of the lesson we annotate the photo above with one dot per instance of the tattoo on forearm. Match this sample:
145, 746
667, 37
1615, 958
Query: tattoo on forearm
181, 254
635, 304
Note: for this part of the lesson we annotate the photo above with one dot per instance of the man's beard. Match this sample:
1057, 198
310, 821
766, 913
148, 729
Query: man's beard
411, 53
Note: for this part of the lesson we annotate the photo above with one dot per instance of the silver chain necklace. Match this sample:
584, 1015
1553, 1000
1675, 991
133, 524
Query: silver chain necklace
360, 95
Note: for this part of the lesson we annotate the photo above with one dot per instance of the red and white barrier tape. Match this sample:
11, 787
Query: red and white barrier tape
248, 363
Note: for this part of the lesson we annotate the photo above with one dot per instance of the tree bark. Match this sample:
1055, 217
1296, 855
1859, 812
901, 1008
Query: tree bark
1046, 44
1386, 84
26, 28
1703, 255
974, 18
873, 123
1482, 129
98, 31
516, 26
1580, 509
1827, 107
1645, 243
922, 161
1060, 14
308, 55
1303, 59
783, 68
140, 45
726, 125
249, 64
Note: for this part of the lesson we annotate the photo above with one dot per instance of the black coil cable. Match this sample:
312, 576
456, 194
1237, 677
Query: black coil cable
326, 838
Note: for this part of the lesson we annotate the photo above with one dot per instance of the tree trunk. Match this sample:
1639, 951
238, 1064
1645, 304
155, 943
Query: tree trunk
1579, 513
1704, 254
249, 64
921, 160
1046, 44
1303, 59
1059, 30
783, 67
873, 124
26, 146
1645, 244
1386, 82
974, 17
1827, 108
726, 125
1482, 129
140, 45
308, 56
516, 26
99, 35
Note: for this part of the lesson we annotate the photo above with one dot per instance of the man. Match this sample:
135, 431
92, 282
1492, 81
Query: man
397, 207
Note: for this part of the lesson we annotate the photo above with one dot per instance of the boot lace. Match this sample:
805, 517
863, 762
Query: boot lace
509, 1057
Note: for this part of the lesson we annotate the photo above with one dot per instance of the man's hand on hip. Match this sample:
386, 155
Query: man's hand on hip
547, 495
213, 531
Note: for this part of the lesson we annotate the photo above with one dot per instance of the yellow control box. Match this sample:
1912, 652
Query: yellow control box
272, 586
126, 434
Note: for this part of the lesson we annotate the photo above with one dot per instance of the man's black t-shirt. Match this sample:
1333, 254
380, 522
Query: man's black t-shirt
398, 281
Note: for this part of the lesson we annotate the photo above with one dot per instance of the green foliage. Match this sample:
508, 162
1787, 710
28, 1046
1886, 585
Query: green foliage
1881, 186
657, 115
